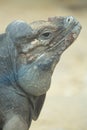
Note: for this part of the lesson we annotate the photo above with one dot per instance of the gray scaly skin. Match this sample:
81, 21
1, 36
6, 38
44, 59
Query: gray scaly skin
28, 56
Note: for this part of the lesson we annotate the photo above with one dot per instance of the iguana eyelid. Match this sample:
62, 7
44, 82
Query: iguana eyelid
46, 35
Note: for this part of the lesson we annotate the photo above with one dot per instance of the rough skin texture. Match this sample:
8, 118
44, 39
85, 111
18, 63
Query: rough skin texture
28, 56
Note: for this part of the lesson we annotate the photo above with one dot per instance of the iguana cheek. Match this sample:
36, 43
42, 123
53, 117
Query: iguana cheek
30, 58
25, 59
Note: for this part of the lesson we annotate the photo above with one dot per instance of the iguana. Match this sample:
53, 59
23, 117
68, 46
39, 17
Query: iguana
28, 56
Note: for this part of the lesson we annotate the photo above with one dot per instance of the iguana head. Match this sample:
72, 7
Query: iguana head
39, 46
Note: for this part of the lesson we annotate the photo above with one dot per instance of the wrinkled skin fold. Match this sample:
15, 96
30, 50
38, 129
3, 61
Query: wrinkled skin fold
28, 56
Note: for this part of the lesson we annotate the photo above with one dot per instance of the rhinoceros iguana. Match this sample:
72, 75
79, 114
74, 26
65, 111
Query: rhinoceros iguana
28, 56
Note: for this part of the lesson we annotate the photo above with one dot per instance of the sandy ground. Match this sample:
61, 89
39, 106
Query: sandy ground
65, 107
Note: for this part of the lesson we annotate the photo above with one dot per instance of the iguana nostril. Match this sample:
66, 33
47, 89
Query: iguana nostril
69, 19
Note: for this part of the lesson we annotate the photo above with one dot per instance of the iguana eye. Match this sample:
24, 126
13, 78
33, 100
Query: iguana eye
45, 35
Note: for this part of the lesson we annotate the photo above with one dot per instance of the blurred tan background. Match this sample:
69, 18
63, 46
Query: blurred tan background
65, 107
